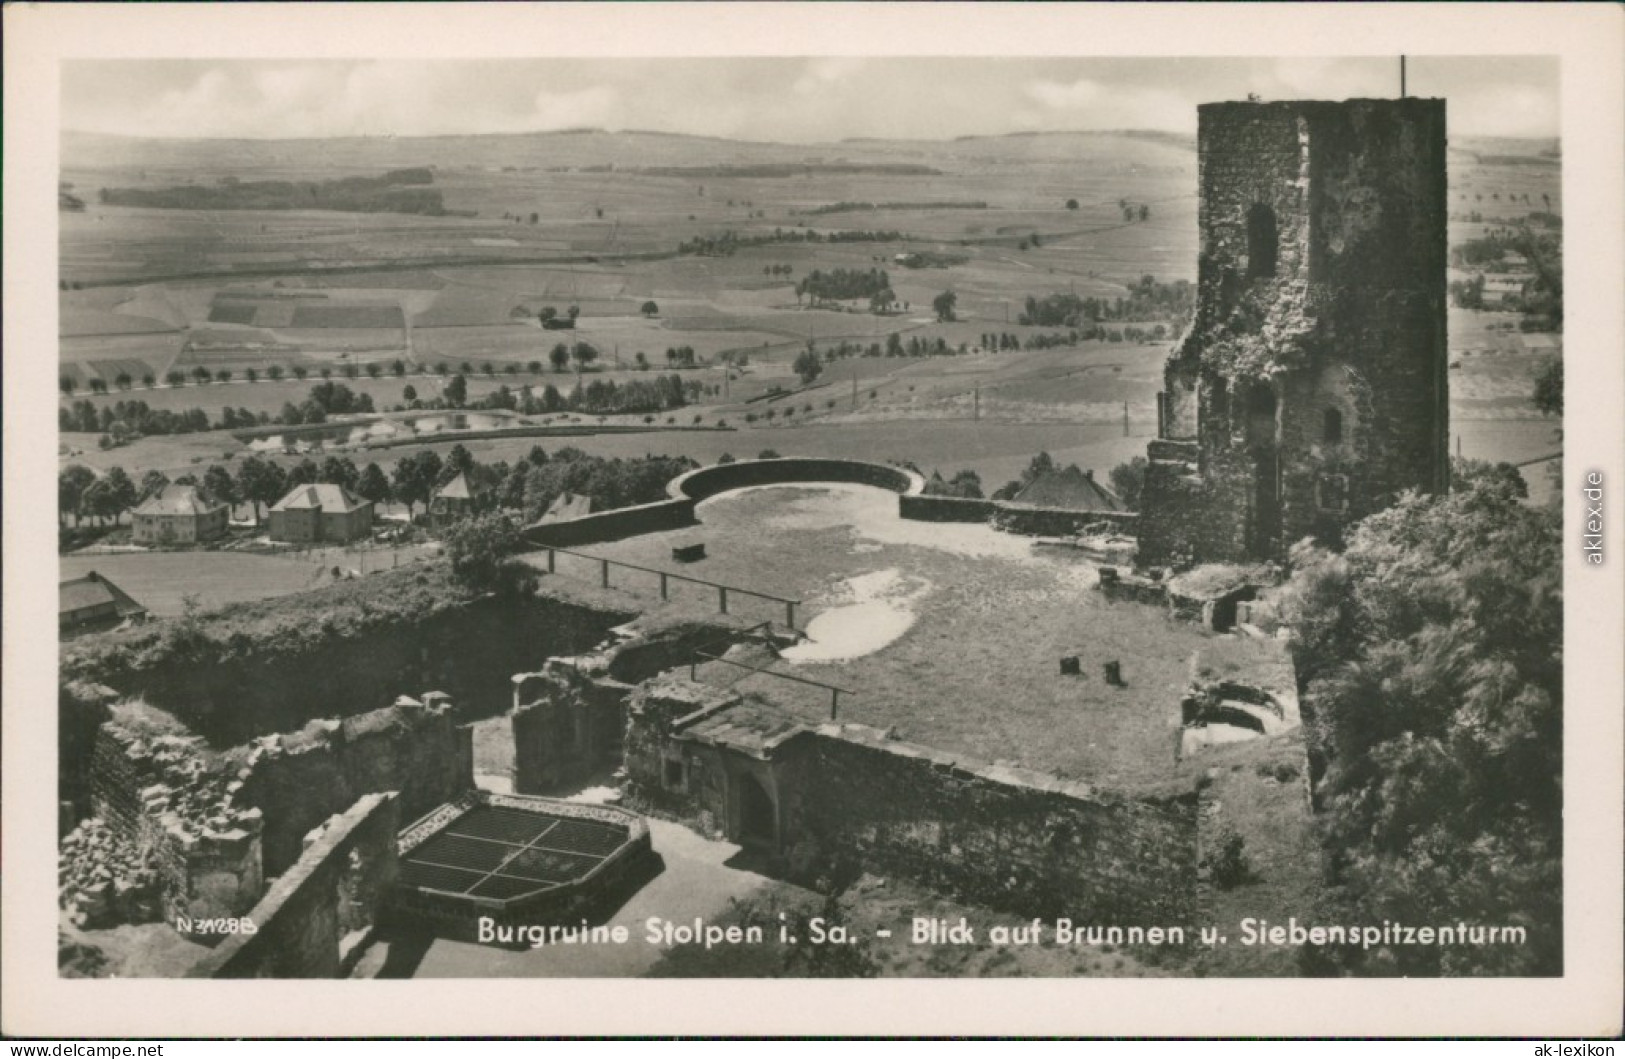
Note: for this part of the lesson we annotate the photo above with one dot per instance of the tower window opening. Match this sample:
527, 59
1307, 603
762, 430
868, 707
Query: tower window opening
1262, 242
1332, 427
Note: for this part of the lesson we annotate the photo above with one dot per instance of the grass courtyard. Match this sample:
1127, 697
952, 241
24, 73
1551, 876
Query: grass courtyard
950, 634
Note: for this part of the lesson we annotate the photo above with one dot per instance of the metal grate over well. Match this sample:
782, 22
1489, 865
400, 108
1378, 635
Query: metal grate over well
502, 853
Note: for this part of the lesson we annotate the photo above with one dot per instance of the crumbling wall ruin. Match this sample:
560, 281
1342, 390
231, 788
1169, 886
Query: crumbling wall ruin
314, 918
569, 718
418, 748
567, 722
171, 832
275, 665
192, 834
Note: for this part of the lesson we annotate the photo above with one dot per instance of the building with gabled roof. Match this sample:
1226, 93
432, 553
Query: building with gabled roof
1070, 489
92, 603
178, 514
321, 511
568, 505
456, 499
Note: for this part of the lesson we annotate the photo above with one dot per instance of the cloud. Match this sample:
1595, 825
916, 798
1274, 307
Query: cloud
596, 106
1075, 96
795, 100
1090, 104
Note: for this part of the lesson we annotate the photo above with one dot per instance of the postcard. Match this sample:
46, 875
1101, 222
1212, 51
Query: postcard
924, 518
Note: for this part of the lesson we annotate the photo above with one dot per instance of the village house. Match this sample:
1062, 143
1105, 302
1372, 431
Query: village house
178, 514
566, 506
454, 500
92, 603
321, 511
1070, 489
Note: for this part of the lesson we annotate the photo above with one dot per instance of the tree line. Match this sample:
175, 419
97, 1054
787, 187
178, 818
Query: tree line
1148, 299
397, 191
730, 242
529, 486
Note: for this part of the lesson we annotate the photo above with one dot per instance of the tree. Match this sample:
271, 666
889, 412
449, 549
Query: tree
374, 485
966, 484
71, 484
1145, 213
943, 304
1071, 204
583, 352
1548, 396
650, 309
458, 461
259, 481
219, 486
305, 472
65, 384
1128, 481
339, 470
808, 366
480, 550
110, 495
559, 357
457, 391
152, 483
882, 300
1431, 657
409, 393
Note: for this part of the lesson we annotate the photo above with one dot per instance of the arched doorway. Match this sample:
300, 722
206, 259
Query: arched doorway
758, 819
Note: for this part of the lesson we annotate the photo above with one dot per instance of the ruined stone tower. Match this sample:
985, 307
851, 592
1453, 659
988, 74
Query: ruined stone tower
1311, 388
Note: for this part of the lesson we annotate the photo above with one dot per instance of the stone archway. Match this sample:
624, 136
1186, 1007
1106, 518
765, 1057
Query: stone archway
757, 815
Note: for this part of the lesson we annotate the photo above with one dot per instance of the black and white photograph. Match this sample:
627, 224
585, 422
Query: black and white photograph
730, 513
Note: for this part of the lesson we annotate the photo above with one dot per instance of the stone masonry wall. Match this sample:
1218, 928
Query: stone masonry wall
180, 817
848, 799
336, 889
244, 690
1320, 374
1004, 838
298, 779
567, 722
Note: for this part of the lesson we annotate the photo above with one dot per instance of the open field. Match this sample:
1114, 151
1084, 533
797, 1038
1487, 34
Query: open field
163, 581
609, 211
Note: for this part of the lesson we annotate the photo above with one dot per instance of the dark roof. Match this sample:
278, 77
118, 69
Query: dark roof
175, 499
569, 505
1069, 490
753, 727
323, 495
93, 590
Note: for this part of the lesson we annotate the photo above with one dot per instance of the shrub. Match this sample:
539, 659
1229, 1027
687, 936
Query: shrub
1228, 866
479, 550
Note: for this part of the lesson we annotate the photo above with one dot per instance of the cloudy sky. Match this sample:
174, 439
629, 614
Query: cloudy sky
796, 100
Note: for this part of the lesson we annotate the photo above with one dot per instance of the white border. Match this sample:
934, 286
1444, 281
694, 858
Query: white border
1590, 39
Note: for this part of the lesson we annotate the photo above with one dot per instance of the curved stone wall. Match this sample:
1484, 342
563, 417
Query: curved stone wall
721, 477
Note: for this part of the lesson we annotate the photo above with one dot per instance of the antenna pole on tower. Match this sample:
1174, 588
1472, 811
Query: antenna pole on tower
1402, 77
